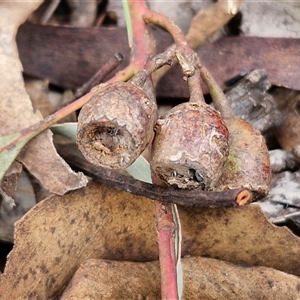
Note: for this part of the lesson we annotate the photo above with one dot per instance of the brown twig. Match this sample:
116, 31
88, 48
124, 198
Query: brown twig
96, 78
158, 61
207, 21
191, 198
32, 131
99, 76
196, 94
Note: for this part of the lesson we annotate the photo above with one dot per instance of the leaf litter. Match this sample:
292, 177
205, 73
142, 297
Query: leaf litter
18, 113
61, 234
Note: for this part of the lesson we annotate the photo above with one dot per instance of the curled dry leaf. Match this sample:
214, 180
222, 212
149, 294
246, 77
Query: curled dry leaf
41, 159
11, 16
24, 200
39, 156
9, 183
204, 278
38, 91
209, 20
61, 232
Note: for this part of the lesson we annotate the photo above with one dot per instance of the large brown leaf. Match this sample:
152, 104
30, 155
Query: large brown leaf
61, 232
204, 278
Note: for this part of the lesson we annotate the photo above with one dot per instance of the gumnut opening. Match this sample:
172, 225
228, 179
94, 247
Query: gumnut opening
116, 125
190, 146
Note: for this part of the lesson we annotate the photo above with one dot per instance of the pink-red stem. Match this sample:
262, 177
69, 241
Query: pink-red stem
166, 240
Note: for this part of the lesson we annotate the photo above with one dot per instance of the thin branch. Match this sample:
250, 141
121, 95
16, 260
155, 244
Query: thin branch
220, 101
35, 129
191, 198
99, 76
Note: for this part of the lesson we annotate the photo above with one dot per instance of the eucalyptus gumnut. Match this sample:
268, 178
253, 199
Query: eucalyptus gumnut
248, 163
116, 125
190, 146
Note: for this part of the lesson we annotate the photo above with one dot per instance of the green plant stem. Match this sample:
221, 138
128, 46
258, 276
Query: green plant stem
220, 101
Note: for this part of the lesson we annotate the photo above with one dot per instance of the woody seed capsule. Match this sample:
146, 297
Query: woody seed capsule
116, 125
190, 146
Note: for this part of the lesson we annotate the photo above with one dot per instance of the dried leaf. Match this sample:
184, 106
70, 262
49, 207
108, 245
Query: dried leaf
51, 170
37, 90
61, 232
204, 278
287, 134
8, 184
239, 235
17, 112
228, 57
119, 280
39, 46
24, 200
209, 20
